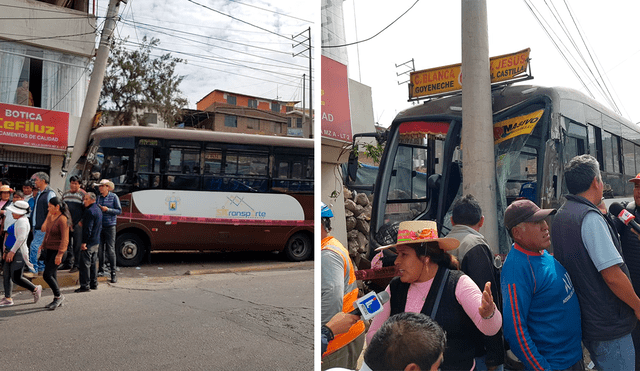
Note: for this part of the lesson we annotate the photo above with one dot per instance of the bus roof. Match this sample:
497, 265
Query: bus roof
199, 135
505, 97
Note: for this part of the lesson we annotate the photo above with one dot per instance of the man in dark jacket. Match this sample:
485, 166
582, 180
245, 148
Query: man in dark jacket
476, 260
589, 248
91, 227
38, 216
631, 252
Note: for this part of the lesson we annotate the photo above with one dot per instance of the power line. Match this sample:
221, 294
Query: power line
46, 37
209, 58
271, 11
239, 20
296, 66
381, 31
203, 36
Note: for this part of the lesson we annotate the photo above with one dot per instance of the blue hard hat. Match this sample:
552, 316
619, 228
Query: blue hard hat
325, 211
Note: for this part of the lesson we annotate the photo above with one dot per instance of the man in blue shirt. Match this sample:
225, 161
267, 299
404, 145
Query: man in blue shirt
109, 203
589, 248
540, 308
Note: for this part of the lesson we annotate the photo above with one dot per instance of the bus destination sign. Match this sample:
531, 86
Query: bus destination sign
446, 79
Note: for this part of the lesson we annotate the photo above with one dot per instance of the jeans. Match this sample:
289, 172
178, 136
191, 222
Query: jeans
108, 248
87, 268
617, 354
38, 237
51, 272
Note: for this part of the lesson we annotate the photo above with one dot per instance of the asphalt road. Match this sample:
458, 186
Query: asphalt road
244, 320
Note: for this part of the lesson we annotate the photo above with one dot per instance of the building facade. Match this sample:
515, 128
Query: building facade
45, 55
239, 113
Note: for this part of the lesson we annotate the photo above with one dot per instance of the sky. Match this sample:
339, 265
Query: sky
224, 53
430, 33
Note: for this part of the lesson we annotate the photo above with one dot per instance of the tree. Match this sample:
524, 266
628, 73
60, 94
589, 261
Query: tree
135, 82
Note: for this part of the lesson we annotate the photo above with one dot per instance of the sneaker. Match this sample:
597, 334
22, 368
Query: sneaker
48, 306
94, 287
73, 270
82, 289
101, 274
6, 302
57, 302
114, 279
37, 293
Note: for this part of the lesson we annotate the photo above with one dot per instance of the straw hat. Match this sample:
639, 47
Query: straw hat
419, 231
5, 188
106, 182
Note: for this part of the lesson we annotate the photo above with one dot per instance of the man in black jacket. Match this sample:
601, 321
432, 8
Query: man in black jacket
476, 261
631, 251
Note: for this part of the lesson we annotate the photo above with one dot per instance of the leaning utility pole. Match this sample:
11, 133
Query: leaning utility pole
95, 84
479, 170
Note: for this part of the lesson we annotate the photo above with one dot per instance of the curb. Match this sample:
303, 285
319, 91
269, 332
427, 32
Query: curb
65, 279
247, 269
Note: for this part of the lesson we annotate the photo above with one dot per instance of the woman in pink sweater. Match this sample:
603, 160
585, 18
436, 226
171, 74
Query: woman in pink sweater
431, 283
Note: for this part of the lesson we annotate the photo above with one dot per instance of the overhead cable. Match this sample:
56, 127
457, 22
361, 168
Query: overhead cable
361, 41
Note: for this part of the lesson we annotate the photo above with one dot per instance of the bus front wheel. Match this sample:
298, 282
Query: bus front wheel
298, 247
129, 250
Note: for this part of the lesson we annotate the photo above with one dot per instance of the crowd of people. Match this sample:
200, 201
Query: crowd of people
543, 308
43, 232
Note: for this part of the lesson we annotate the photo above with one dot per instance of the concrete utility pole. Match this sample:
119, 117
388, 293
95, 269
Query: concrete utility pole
479, 170
95, 84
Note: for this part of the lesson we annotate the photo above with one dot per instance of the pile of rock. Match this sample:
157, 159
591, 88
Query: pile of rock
357, 208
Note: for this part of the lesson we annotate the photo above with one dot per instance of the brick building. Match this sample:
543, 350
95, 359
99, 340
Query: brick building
241, 113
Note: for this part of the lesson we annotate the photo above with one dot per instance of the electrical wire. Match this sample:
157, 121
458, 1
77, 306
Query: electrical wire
271, 11
381, 31
239, 20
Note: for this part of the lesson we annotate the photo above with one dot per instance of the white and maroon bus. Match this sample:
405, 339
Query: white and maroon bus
188, 189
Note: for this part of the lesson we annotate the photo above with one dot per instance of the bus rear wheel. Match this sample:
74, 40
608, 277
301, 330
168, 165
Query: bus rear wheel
129, 250
298, 247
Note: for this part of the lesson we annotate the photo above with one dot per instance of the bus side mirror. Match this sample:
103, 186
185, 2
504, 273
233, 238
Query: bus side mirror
352, 166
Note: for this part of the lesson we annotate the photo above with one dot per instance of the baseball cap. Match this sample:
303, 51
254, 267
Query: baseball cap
524, 211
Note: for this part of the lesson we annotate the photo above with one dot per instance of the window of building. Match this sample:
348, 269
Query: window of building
42, 78
299, 122
231, 121
150, 118
253, 124
275, 107
231, 99
253, 103
277, 128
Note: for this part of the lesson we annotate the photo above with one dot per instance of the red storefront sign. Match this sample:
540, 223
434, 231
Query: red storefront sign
336, 115
33, 127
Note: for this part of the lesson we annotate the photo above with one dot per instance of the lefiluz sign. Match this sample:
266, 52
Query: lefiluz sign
449, 78
33, 127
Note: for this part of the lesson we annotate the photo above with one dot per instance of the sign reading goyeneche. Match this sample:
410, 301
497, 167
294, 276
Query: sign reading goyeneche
449, 78
515, 126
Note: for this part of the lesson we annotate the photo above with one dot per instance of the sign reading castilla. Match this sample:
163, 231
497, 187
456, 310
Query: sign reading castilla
33, 127
446, 79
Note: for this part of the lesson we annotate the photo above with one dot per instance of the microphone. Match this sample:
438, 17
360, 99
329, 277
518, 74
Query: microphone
370, 305
625, 216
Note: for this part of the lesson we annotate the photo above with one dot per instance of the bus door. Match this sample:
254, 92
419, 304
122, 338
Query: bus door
408, 184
